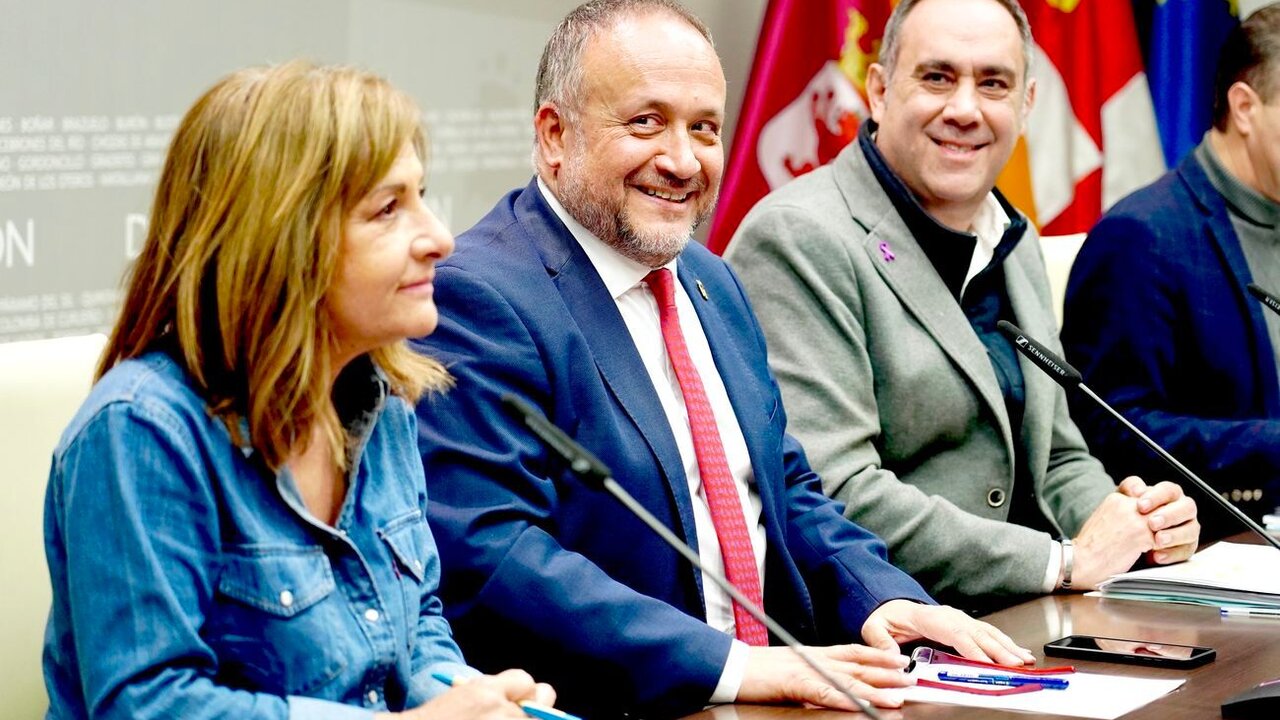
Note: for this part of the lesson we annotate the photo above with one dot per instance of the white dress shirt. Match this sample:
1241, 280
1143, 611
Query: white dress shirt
624, 279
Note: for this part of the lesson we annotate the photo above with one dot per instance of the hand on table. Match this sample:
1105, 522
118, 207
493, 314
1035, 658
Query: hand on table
776, 674
488, 697
1171, 516
899, 621
1111, 541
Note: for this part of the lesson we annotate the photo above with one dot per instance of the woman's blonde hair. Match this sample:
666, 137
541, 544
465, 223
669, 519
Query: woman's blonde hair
244, 240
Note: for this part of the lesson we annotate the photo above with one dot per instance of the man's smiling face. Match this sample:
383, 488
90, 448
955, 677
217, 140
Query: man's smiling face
952, 111
642, 154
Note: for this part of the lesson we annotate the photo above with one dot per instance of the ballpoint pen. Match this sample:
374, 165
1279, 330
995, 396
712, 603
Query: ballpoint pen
1251, 612
532, 709
1007, 680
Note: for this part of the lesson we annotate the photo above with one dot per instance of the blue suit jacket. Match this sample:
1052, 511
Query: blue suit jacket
1158, 320
543, 573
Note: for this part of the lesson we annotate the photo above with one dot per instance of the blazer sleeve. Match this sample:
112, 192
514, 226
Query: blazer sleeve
494, 509
840, 560
797, 265
1133, 326
844, 566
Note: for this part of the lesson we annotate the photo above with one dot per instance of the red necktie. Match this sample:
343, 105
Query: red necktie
717, 481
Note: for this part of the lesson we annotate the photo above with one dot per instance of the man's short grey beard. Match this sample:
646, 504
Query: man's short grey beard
651, 249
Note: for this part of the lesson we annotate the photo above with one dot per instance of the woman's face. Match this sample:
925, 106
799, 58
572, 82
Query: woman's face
383, 291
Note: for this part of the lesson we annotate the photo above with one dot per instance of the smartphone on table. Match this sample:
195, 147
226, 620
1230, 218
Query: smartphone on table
1134, 652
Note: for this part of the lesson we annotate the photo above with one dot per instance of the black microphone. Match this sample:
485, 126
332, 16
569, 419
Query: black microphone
1264, 297
1068, 377
589, 468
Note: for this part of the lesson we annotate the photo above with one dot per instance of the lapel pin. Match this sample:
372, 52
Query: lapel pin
702, 290
886, 252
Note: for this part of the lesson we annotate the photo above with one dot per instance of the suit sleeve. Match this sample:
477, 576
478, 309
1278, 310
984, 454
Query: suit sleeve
838, 558
804, 286
844, 566
494, 509
1132, 325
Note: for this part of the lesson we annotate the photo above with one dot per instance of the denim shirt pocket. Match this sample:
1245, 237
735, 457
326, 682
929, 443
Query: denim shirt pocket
272, 632
282, 581
408, 540
407, 537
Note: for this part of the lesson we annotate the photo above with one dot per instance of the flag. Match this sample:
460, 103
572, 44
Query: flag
1091, 136
1185, 39
804, 100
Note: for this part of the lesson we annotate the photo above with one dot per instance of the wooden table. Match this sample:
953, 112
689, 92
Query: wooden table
1248, 653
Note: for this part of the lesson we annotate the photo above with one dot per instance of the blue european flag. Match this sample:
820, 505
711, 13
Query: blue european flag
1186, 37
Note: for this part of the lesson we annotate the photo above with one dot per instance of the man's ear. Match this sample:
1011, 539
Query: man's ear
1241, 102
877, 86
549, 130
1030, 101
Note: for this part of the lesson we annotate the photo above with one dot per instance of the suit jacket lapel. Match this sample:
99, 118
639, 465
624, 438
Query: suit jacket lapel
595, 313
1223, 236
906, 269
733, 366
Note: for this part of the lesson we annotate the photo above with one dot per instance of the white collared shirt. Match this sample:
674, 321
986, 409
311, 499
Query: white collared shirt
624, 279
988, 227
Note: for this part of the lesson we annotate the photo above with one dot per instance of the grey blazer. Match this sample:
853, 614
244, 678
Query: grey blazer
891, 391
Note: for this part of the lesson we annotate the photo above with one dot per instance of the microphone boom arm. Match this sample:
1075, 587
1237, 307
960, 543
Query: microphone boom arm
589, 468
1068, 377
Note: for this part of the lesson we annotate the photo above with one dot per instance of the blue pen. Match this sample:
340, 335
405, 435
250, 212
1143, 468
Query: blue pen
532, 709
1009, 680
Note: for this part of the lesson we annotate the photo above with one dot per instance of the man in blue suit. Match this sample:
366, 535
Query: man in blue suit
1157, 316
552, 297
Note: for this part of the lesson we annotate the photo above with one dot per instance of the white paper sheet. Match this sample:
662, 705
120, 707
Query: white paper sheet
1088, 695
1227, 574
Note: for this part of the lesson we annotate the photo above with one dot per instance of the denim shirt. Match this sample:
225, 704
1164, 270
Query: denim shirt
189, 581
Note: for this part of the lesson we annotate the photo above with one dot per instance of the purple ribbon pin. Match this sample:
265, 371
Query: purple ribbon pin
886, 252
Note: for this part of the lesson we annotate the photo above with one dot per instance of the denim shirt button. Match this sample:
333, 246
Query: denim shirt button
286, 598
371, 615
373, 697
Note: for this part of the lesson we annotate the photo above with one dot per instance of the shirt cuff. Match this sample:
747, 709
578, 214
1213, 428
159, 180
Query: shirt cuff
735, 667
306, 708
1055, 566
426, 687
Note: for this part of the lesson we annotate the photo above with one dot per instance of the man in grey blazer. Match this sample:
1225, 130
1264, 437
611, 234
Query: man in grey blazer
879, 280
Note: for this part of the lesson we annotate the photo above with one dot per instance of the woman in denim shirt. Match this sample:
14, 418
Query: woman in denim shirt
234, 522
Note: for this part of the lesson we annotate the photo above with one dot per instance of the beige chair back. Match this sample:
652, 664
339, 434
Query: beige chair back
1059, 252
42, 384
